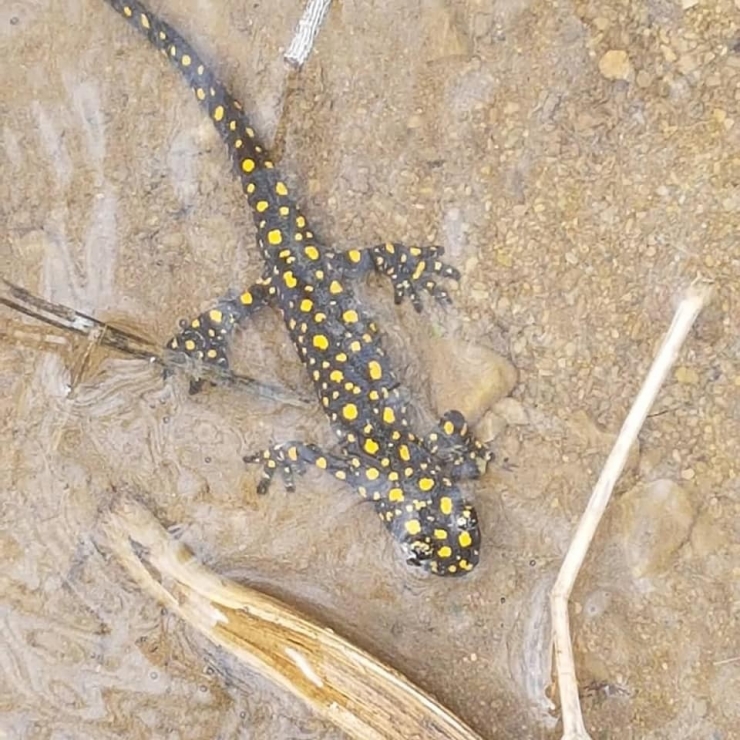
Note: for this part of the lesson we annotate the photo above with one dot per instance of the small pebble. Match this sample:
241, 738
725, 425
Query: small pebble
615, 65
686, 375
656, 520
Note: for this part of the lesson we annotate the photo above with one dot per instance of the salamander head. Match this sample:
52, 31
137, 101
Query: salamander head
442, 535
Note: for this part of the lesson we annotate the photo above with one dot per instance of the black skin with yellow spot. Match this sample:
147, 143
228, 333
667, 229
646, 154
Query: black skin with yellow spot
411, 481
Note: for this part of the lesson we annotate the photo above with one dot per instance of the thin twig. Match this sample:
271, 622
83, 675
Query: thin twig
306, 32
100, 333
696, 298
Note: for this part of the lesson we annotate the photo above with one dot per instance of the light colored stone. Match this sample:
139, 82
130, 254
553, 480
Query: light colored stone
655, 521
513, 411
615, 65
468, 377
686, 375
644, 79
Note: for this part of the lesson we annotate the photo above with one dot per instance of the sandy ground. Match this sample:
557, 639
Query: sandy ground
581, 163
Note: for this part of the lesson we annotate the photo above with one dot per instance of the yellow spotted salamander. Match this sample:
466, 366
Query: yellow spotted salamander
410, 480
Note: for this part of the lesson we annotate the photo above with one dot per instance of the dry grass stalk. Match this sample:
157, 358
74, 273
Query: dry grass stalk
696, 298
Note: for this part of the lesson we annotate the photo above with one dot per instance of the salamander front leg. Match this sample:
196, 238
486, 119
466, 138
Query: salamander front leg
412, 270
457, 450
291, 458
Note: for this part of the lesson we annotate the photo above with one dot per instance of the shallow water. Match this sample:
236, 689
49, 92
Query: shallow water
577, 208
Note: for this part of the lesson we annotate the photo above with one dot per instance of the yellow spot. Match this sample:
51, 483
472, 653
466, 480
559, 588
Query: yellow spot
289, 279
465, 539
372, 473
341, 357
354, 255
395, 494
404, 453
440, 534
349, 412
247, 164
375, 370
413, 526
341, 475
448, 427
186, 60
445, 551
212, 354
238, 143
335, 287
371, 446
200, 93
173, 50
355, 346
426, 484
249, 132
337, 376
388, 416
445, 505
246, 298
145, 21
275, 237
311, 252
200, 69
350, 316
280, 188
251, 187
127, 11
195, 323
215, 316
262, 206
306, 304
319, 317
320, 342
293, 453
300, 222
232, 125
189, 345
218, 113
419, 270
321, 463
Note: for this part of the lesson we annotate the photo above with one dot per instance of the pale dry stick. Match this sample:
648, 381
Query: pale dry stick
341, 683
696, 298
306, 32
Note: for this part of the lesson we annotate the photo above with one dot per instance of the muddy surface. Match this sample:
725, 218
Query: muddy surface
580, 161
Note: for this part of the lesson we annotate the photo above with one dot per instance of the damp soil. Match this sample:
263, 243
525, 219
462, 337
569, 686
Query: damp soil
580, 162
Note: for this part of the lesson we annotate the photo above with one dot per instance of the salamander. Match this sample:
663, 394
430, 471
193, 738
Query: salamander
411, 480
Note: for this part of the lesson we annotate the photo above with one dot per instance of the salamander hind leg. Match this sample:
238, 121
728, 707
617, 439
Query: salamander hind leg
412, 270
206, 337
457, 449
